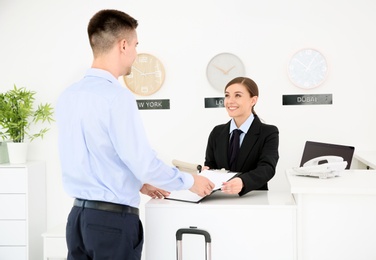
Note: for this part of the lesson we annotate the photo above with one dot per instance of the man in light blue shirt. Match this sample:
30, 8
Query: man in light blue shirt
105, 156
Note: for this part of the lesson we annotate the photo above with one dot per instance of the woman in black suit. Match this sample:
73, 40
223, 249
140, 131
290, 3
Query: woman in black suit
257, 156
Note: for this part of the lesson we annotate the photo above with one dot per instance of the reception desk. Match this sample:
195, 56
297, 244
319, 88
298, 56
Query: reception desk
366, 159
54, 243
260, 225
336, 217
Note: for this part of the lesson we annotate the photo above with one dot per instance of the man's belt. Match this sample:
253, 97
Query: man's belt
106, 206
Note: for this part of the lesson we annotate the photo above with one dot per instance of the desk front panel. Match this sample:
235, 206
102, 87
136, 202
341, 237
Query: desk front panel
336, 217
238, 231
332, 226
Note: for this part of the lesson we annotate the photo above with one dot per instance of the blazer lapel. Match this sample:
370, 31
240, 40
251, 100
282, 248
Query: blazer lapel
248, 143
223, 145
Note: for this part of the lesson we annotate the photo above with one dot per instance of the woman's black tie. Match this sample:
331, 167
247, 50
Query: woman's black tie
234, 148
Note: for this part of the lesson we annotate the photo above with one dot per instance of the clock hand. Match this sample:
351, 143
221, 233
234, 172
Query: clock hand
149, 73
223, 71
301, 63
138, 70
227, 71
309, 65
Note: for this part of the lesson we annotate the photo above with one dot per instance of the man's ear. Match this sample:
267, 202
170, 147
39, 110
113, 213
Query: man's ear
123, 44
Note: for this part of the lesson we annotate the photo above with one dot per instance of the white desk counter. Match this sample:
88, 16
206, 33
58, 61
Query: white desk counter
260, 225
336, 218
350, 182
367, 158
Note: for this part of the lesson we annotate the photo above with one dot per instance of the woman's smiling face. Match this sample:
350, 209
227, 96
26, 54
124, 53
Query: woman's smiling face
239, 103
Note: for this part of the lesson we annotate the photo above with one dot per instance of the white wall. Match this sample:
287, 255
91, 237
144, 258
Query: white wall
44, 47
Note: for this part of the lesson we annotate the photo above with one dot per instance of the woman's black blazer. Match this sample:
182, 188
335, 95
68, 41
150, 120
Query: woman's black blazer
257, 158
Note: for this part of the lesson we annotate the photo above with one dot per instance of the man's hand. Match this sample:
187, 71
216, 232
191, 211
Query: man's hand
202, 186
154, 192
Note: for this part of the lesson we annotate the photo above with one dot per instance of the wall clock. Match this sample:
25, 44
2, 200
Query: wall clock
222, 68
147, 75
307, 68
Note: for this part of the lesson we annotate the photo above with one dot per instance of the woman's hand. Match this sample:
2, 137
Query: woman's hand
154, 192
234, 186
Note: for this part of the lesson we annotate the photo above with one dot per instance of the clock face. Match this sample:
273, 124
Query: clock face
307, 68
147, 75
222, 68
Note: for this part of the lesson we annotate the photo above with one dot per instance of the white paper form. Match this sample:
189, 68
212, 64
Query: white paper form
215, 176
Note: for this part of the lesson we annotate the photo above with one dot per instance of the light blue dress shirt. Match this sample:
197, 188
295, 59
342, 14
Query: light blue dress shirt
104, 151
244, 127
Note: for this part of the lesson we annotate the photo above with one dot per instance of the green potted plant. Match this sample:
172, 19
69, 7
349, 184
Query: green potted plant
17, 114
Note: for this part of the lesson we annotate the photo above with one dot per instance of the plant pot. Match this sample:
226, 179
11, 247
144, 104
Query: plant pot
4, 153
17, 152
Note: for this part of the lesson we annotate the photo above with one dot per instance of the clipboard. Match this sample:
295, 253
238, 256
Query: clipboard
215, 176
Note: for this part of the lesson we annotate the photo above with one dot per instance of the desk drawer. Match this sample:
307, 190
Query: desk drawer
13, 180
13, 233
14, 253
13, 206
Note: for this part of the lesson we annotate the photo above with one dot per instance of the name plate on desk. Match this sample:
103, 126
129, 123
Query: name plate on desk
150, 104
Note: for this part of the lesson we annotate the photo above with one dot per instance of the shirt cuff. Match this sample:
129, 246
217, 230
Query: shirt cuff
188, 180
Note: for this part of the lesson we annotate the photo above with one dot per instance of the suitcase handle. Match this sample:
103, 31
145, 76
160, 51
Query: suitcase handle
195, 231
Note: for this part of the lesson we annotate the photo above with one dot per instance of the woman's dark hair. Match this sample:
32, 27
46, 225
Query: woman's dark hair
249, 84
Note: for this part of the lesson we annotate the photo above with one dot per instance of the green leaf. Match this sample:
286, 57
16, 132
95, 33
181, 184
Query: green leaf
17, 114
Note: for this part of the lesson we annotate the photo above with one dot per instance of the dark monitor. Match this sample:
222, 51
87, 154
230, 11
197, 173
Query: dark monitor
315, 149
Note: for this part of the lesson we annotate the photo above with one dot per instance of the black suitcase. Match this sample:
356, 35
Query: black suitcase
195, 231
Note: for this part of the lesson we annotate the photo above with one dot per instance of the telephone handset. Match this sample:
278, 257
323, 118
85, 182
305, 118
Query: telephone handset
322, 167
323, 159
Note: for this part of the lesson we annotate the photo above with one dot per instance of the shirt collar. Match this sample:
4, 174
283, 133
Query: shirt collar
245, 126
93, 72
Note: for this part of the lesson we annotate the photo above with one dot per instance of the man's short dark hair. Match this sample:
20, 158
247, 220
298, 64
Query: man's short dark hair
108, 26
